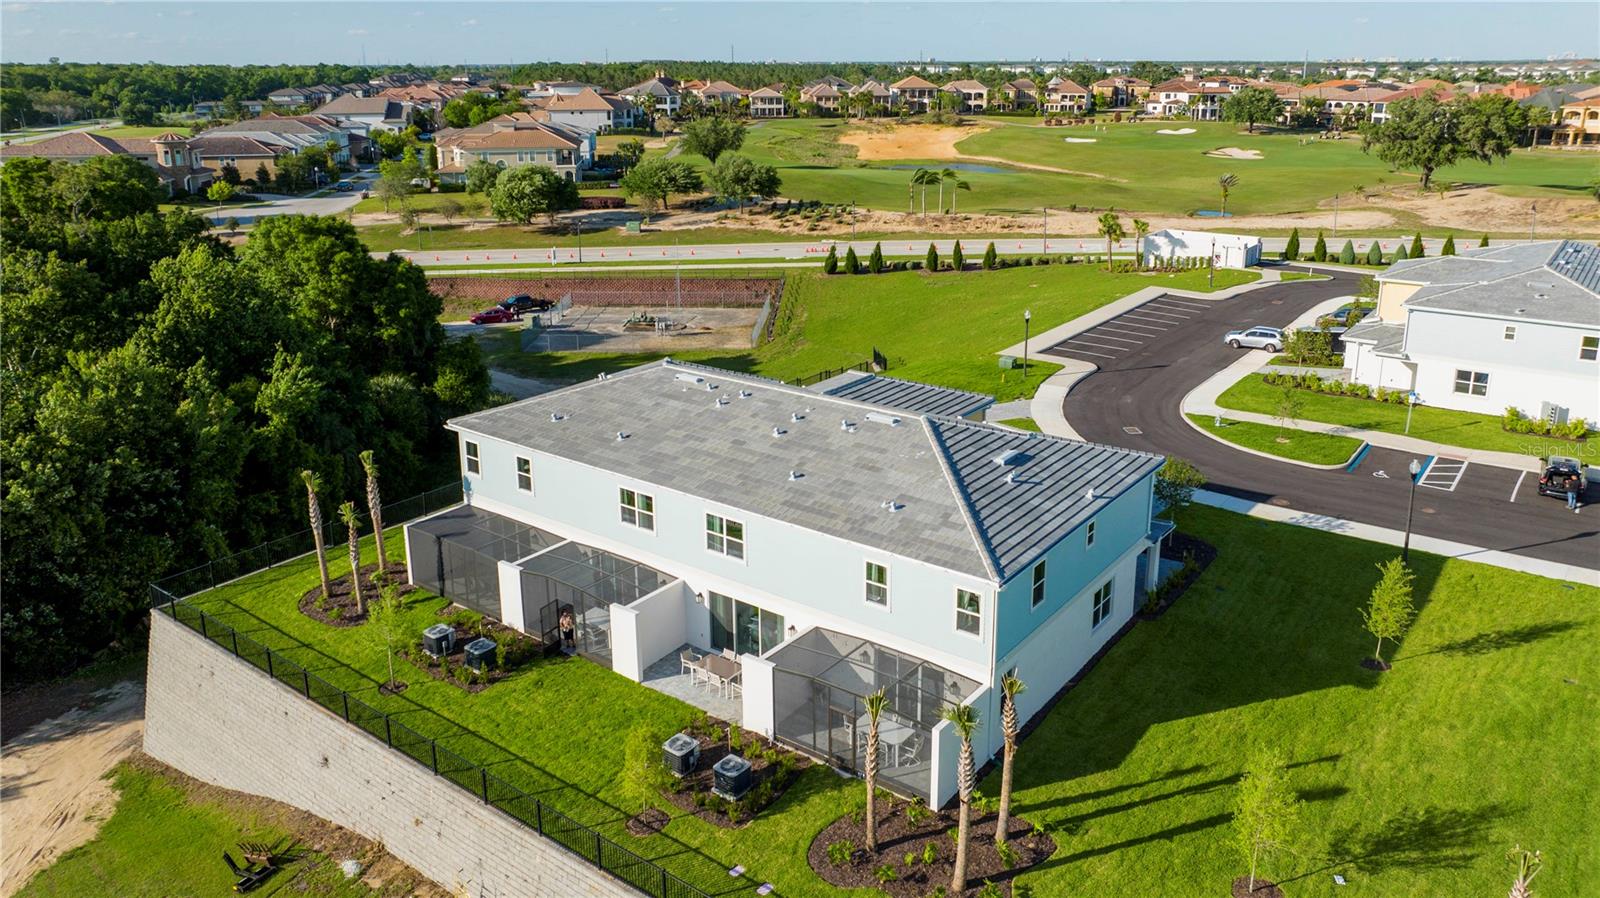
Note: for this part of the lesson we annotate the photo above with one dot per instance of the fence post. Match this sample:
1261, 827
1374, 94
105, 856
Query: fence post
203, 625
599, 860
483, 777
538, 815
346, 697
305, 681
270, 672
663, 882
234, 634
433, 749
388, 737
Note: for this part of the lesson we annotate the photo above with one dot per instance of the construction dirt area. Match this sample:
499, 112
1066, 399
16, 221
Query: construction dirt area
890, 142
655, 328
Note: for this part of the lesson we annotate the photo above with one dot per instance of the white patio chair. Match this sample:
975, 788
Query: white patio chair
692, 664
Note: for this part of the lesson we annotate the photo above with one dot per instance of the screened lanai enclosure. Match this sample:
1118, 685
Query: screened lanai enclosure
568, 591
820, 682
457, 552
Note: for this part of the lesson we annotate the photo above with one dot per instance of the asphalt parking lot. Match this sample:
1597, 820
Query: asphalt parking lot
1129, 332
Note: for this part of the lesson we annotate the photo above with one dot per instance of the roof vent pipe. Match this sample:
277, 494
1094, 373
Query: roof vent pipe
621, 436
1089, 494
796, 416
778, 431
795, 475
556, 416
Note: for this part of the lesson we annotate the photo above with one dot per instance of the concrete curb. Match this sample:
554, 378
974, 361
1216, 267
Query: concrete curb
1433, 545
1293, 461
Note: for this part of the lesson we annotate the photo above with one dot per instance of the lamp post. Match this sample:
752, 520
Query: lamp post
1405, 546
1045, 231
577, 228
1336, 215
1411, 403
1027, 321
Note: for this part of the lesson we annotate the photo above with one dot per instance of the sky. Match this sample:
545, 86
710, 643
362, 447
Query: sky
451, 32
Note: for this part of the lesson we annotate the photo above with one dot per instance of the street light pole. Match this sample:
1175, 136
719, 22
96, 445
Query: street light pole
1411, 503
1211, 271
1045, 244
577, 228
1027, 322
1336, 215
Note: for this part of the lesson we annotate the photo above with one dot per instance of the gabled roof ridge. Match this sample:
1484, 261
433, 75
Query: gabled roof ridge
1550, 266
969, 513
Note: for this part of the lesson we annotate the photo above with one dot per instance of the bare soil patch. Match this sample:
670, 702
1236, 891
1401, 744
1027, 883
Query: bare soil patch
53, 787
891, 142
1477, 208
1264, 888
922, 853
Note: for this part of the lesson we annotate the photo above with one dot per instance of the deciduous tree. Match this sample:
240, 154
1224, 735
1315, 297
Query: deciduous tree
1389, 609
1252, 105
525, 193
1266, 811
712, 136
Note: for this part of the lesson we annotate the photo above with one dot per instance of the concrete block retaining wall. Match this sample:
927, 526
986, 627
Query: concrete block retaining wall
218, 719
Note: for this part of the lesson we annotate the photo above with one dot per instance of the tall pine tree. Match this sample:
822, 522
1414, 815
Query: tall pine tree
1291, 250
1319, 253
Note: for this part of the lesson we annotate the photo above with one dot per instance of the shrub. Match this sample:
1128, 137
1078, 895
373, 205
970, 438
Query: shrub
852, 264
1291, 250
1319, 252
841, 853
917, 812
1008, 854
957, 260
1416, 246
1449, 248
930, 854
1374, 254
932, 260
830, 265
1347, 255
990, 257
989, 890
886, 873
914, 265
875, 261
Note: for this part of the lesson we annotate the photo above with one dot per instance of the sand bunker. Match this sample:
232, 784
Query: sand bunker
1234, 153
1080, 139
908, 142
1175, 131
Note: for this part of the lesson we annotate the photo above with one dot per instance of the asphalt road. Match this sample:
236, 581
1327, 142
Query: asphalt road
325, 203
1150, 359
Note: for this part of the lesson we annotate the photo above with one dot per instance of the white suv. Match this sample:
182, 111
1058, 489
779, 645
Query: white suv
1268, 338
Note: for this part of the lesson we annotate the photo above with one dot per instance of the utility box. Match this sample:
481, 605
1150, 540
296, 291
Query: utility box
439, 640
680, 753
730, 778
480, 653
1008, 362
1552, 414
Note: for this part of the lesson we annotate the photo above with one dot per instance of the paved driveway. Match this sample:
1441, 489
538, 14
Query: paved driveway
1134, 399
327, 203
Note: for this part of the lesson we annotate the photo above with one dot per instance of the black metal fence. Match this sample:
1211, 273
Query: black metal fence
588, 844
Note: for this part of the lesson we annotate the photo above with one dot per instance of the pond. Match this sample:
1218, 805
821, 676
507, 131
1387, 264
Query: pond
958, 166
1211, 213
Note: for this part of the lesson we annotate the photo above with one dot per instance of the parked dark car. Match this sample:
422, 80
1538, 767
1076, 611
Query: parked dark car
1347, 315
522, 302
344, 187
1560, 471
495, 315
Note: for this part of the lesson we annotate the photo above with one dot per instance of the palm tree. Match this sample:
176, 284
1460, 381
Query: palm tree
964, 720
1140, 229
347, 513
1111, 229
374, 510
1010, 688
945, 174
1227, 182
875, 702
313, 484
922, 178
958, 185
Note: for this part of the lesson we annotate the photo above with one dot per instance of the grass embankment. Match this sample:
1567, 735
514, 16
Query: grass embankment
1300, 445
1440, 425
1027, 424
1417, 780
942, 329
163, 841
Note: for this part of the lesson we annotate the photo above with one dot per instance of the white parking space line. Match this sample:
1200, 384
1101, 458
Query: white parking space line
1098, 345
1444, 474
1143, 330
1065, 351
1178, 302
1164, 317
1518, 486
1153, 321
1099, 336
1163, 310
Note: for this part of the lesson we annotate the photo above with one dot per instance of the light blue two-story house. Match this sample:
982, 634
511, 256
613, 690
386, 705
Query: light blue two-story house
857, 535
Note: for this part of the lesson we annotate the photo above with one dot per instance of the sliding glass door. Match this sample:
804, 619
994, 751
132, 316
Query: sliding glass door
743, 627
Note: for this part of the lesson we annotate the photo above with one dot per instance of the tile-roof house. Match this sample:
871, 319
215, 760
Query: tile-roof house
974, 95
587, 110
245, 154
512, 141
767, 102
1020, 92
1513, 326
293, 133
825, 94
660, 94
721, 92
1065, 95
882, 97
861, 518
367, 114
913, 92
177, 163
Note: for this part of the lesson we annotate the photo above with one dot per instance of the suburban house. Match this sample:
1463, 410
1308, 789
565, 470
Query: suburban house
1119, 92
431, 96
1489, 329
914, 93
365, 115
882, 97
587, 110
767, 102
859, 534
315, 95
512, 141
720, 92
245, 154
974, 95
1200, 100
291, 132
826, 95
659, 94
1020, 93
1065, 95
1576, 124
176, 161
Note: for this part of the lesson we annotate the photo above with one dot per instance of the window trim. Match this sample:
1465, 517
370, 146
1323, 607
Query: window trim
1509, 334
976, 615
1583, 347
624, 508
520, 462
1108, 589
1038, 592
867, 584
1088, 535
724, 520
1472, 383
472, 454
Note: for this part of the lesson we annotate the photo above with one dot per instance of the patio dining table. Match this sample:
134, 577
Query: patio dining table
892, 734
723, 670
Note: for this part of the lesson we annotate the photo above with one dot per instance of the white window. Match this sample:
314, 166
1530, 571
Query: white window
638, 509
1511, 333
969, 617
1589, 349
1102, 605
877, 584
1475, 383
1088, 536
725, 536
473, 464
525, 474
1038, 584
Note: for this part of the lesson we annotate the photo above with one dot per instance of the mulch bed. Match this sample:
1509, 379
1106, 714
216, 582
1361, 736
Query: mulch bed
652, 821
1196, 554
342, 598
1264, 888
1375, 664
773, 770
898, 837
520, 647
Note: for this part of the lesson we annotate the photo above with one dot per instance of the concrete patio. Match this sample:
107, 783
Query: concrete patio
666, 676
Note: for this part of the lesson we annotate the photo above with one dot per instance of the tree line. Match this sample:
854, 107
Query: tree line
161, 391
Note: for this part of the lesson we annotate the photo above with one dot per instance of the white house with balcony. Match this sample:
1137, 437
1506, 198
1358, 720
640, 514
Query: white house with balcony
1493, 328
817, 543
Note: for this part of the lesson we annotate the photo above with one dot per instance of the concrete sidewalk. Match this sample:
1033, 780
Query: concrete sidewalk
1371, 533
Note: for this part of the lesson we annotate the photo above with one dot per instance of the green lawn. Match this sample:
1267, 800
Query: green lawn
159, 842
1417, 781
1317, 448
381, 238
1140, 170
1440, 425
471, 204
1023, 424
943, 329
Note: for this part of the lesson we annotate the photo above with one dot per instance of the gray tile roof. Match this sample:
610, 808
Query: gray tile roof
1549, 280
1385, 338
733, 439
922, 399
